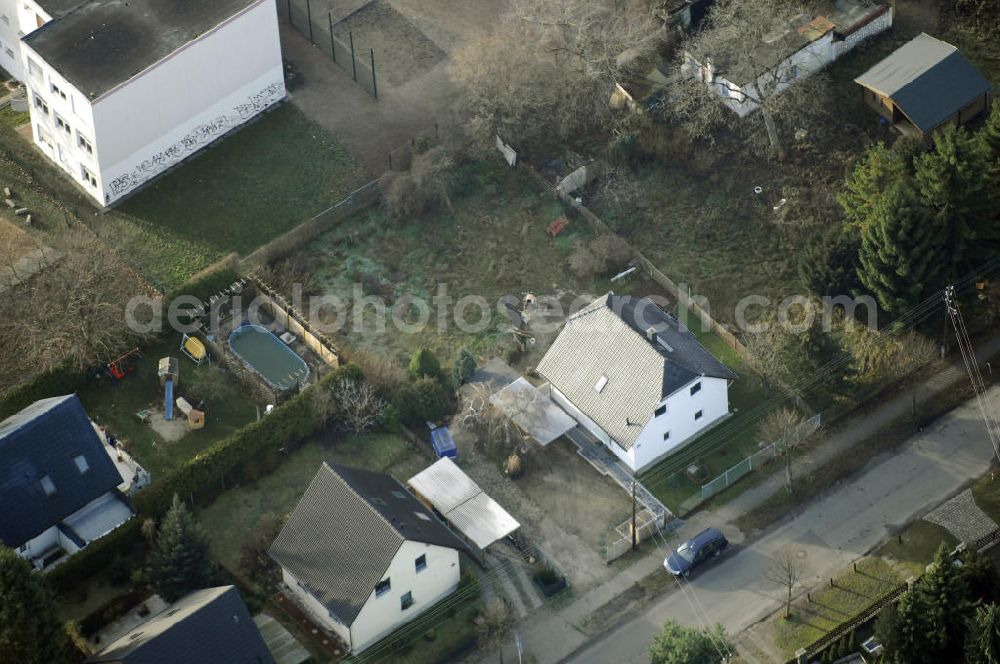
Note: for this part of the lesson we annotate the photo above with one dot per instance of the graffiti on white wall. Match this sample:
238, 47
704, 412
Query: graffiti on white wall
193, 141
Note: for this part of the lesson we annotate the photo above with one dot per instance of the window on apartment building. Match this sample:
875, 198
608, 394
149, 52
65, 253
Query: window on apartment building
666, 435
62, 124
9, 52
33, 69
5, 19
382, 587
55, 89
420, 563
698, 415
406, 601
696, 388
83, 143
88, 176
40, 103
662, 410
43, 136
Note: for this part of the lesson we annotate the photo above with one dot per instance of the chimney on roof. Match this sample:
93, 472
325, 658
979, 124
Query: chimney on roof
651, 334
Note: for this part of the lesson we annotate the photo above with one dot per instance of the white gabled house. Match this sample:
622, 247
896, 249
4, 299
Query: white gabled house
59, 486
636, 378
798, 47
363, 557
120, 92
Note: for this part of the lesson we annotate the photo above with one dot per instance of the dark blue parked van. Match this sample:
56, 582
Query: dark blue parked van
706, 545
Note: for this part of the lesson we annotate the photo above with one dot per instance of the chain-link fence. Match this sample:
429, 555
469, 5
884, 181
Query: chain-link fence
756, 460
323, 29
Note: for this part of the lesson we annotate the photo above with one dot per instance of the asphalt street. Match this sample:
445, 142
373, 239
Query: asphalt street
826, 536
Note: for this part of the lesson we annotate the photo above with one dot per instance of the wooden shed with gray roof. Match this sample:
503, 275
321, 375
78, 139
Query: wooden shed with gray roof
362, 556
924, 85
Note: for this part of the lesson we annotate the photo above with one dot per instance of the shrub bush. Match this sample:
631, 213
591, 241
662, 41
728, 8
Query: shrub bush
424, 363
247, 454
64, 379
123, 541
424, 399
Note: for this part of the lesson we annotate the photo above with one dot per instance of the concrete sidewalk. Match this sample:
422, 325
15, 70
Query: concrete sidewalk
857, 429
552, 636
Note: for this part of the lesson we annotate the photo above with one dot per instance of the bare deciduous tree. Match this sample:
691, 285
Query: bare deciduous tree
421, 189
493, 426
72, 308
786, 571
358, 405
788, 430
546, 71
746, 42
494, 625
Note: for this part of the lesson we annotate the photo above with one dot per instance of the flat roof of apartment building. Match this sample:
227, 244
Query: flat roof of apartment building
103, 43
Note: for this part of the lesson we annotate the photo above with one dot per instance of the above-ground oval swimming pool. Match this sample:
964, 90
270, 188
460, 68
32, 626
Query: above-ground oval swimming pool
268, 355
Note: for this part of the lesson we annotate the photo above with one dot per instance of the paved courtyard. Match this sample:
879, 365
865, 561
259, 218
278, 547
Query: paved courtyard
962, 518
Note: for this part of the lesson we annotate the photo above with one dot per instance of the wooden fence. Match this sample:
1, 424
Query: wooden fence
296, 322
871, 612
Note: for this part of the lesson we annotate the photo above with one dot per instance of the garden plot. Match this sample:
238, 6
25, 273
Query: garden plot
492, 244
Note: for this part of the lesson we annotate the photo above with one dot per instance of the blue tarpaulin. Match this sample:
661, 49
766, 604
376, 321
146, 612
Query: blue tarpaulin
444, 444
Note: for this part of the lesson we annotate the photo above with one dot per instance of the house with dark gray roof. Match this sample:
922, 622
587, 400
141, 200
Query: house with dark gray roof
362, 556
636, 378
120, 92
924, 85
208, 626
59, 487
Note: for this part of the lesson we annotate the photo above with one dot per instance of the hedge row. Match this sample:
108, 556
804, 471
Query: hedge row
247, 454
95, 556
64, 379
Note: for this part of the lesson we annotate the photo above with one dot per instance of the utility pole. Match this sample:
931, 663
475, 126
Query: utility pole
634, 533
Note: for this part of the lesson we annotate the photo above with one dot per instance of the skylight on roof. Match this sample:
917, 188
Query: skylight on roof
47, 486
601, 382
421, 515
81, 464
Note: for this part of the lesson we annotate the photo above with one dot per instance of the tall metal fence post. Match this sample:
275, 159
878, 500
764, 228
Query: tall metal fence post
333, 49
374, 83
354, 62
309, 17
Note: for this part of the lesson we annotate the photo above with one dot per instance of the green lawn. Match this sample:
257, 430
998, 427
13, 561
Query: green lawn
237, 513
254, 185
986, 492
115, 405
914, 548
723, 446
854, 591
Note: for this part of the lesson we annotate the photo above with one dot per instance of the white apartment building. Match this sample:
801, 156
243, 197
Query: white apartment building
122, 91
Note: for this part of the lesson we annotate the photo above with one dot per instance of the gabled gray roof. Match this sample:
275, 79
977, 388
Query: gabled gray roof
345, 532
928, 79
203, 627
639, 352
43, 440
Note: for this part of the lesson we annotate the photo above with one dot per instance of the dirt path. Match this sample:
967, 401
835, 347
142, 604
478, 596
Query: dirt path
415, 95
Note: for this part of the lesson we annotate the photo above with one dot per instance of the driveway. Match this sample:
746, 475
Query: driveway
830, 533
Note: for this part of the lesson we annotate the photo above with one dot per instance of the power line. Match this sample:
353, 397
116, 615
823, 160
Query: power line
972, 368
732, 430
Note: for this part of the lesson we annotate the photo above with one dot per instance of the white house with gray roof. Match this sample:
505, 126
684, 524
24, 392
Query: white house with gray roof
636, 378
363, 557
120, 92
